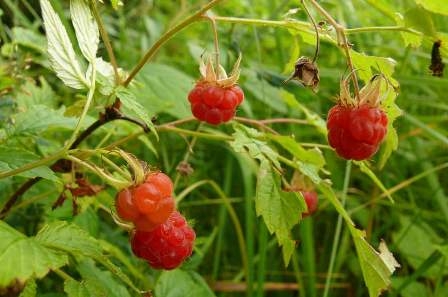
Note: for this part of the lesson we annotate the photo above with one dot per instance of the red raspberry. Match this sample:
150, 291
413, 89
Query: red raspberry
167, 246
215, 104
125, 206
356, 132
311, 202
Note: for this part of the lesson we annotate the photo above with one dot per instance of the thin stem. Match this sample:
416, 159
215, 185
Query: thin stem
85, 110
195, 133
258, 123
316, 53
106, 40
342, 41
13, 199
167, 36
45, 161
381, 28
215, 41
337, 233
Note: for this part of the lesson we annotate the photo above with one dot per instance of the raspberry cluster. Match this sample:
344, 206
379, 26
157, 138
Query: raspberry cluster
161, 235
215, 104
356, 132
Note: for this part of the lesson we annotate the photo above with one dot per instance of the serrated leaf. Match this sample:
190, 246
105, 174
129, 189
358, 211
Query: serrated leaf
29, 39
14, 157
29, 290
376, 269
101, 281
130, 103
309, 162
393, 112
436, 6
367, 66
77, 289
105, 76
39, 118
247, 140
419, 19
31, 94
60, 50
177, 283
86, 29
69, 238
22, 257
280, 210
409, 39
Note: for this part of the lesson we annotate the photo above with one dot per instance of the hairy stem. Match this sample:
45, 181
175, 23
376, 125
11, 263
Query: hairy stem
106, 40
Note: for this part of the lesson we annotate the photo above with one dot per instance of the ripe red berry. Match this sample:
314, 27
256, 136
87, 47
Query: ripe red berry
214, 104
167, 246
356, 132
311, 202
125, 206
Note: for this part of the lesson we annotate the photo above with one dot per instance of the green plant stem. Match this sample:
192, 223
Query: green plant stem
316, 53
85, 109
195, 133
45, 161
381, 29
167, 36
106, 40
337, 233
343, 42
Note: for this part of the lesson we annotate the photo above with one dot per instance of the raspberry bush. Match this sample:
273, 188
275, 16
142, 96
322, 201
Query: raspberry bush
114, 145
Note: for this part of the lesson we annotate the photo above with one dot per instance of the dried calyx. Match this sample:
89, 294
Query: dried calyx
369, 95
210, 75
306, 72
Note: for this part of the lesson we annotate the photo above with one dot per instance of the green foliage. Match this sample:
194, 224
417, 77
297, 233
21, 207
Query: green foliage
187, 283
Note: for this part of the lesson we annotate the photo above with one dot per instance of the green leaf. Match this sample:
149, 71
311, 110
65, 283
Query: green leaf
98, 280
26, 123
410, 39
436, 6
86, 29
370, 65
79, 289
309, 162
163, 89
247, 140
31, 94
178, 283
376, 268
29, 39
131, 104
30, 289
419, 19
60, 50
280, 210
393, 112
13, 158
416, 241
22, 258
69, 238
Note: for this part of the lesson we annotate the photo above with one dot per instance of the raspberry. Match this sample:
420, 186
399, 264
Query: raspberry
148, 204
356, 132
125, 206
167, 246
214, 104
311, 202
